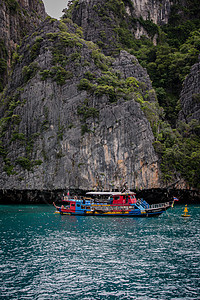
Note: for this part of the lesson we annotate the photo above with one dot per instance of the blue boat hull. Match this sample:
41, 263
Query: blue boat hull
116, 214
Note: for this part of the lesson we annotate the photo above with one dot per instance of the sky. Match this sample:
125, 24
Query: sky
54, 7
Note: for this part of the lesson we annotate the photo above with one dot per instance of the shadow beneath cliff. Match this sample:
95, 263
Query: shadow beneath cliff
50, 196
163, 195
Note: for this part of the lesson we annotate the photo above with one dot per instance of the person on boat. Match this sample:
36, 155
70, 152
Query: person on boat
110, 200
58, 207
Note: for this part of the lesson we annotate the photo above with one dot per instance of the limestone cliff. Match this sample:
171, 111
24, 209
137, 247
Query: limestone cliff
74, 118
17, 19
109, 23
71, 117
157, 11
190, 95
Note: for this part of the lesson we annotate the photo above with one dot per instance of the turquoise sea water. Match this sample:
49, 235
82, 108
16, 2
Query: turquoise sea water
48, 256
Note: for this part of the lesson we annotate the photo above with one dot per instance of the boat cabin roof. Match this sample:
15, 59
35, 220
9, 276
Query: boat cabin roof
110, 193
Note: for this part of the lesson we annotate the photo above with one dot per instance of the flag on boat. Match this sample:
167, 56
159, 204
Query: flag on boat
176, 199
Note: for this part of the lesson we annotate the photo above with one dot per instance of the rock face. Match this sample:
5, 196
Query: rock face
157, 11
103, 21
71, 117
190, 95
17, 19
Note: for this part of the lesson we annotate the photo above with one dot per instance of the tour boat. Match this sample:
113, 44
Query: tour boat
110, 204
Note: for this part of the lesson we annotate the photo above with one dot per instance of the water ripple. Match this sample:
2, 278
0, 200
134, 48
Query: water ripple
48, 256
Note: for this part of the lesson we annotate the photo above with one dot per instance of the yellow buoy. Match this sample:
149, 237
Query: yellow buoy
185, 212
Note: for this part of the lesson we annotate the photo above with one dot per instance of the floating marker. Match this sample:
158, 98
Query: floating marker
185, 215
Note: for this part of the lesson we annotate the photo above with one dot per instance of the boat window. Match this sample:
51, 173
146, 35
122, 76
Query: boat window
116, 197
82, 206
78, 205
72, 204
87, 207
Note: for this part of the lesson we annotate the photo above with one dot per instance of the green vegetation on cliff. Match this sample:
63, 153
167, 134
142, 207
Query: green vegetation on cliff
168, 62
167, 67
179, 150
